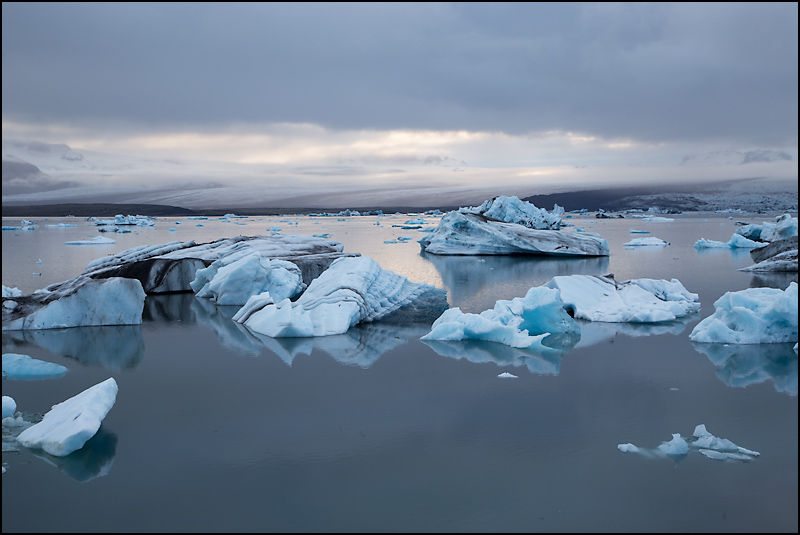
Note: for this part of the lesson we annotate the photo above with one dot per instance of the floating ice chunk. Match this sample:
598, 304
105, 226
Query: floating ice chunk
506, 375
521, 322
703, 243
596, 298
69, 424
625, 448
99, 240
9, 406
231, 280
676, 446
352, 290
79, 302
751, 316
466, 233
785, 226
24, 368
632, 231
737, 241
649, 241
657, 219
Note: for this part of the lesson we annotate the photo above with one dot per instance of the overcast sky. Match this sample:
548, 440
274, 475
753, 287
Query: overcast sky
522, 85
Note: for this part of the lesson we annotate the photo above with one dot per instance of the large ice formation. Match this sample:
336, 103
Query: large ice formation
25, 368
785, 226
466, 233
172, 266
520, 322
601, 298
751, 316
352, 290
78, 302
68, 425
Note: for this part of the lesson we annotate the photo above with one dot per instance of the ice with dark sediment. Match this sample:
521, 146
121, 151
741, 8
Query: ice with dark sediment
777, 256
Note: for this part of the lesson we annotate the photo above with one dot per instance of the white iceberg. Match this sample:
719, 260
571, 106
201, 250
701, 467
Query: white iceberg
78, 302
233, 279
68, 425
25, 368
506, 375
520, 322
676, 446
719, 449
352, 290
465, 233
596, 298
751, 316
737, 241
649, 241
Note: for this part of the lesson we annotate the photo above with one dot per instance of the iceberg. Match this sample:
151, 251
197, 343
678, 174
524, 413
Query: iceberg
785, 226
173, 266
78, 302
99, 240
351, 291
737, 241
705, 443
778, 256
68, 425
649, 241
676, 446
24, 368
601, 298
231, 280
521, 322
466, 233
751, 316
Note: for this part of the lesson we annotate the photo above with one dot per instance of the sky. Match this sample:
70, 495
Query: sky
472, 94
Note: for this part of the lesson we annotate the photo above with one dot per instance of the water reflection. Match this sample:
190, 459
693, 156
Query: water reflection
776, 279
361, 345
741, 365
546, 362
595, 332
113, 347
475, 283
93, 460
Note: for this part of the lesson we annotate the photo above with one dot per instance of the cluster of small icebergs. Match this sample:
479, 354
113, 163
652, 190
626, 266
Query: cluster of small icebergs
719, 449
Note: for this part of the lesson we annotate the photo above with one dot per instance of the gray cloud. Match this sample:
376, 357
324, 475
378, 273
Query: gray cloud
652, 72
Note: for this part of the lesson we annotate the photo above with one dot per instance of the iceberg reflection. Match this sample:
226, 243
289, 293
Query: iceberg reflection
475, 283
741, 365
93, 460
113, 347
540, 362
595, 332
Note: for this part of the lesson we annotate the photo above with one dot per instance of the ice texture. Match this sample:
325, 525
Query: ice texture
513, 210
99, 240
78, 302
466, 233
233, 279
352, 290
601, 298
751, 316
785, 226
68, 425
737, 241
520, 322
25, 368
778, 256
676, 446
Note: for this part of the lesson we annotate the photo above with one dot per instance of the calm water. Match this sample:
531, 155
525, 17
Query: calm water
215, 429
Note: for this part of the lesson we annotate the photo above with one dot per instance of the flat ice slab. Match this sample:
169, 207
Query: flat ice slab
25, 368
68, 425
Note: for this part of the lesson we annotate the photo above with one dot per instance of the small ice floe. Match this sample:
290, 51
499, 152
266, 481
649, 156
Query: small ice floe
39, 261
521, 322
99, 240
751, 316
61, 225
656, 219
719, 449
25, 368
11, 292
737, 241
506, 375
633, 231
649, 241
68, 425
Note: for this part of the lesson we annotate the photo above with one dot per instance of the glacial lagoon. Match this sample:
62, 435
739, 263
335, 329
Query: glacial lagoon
217, 429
